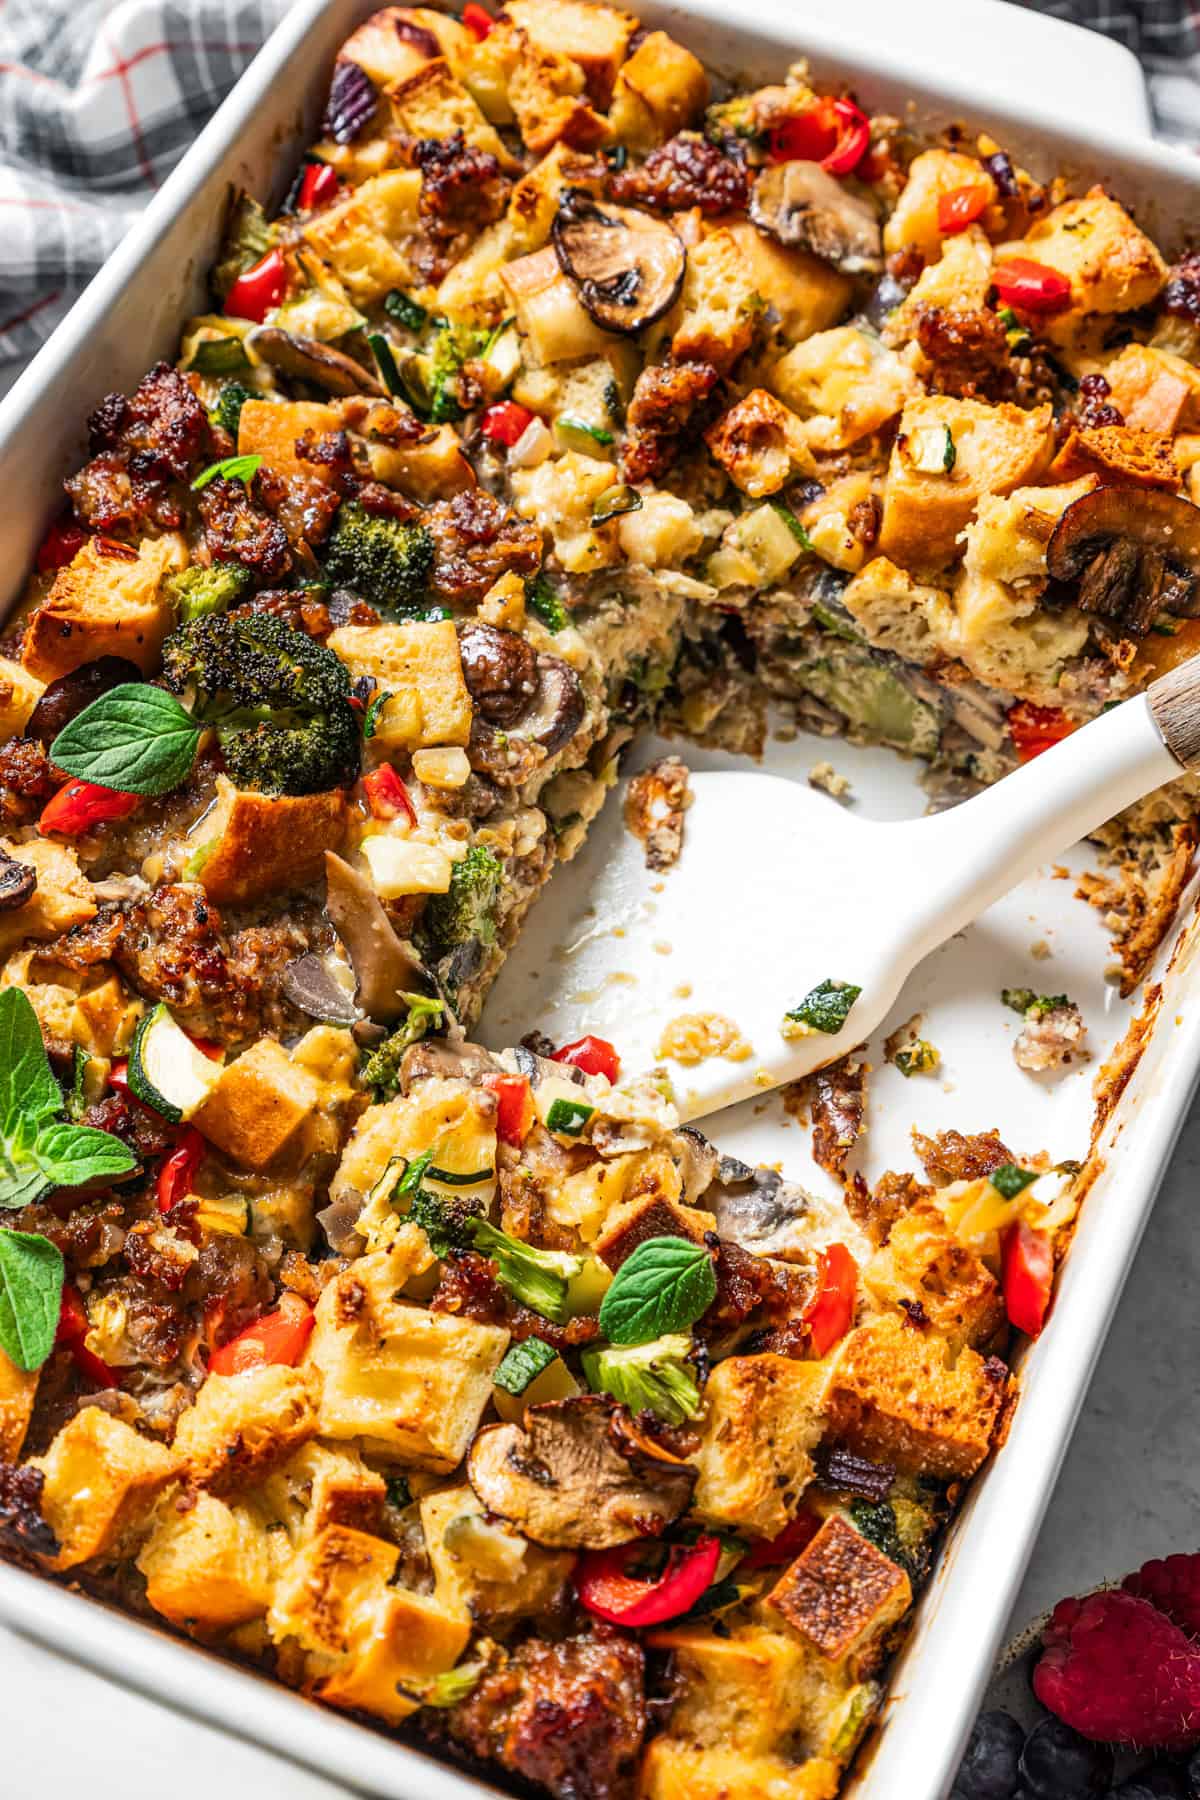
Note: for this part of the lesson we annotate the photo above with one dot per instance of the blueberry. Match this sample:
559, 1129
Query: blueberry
1191, 1775
1151, 1784
988, 1771
1058, 1764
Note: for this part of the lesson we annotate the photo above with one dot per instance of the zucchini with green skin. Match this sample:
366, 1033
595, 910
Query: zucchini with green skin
166, 1071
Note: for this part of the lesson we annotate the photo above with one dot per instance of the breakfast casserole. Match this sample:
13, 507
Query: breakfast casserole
571, 390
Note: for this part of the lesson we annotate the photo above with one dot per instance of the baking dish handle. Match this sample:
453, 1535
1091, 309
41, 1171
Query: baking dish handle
1175, 702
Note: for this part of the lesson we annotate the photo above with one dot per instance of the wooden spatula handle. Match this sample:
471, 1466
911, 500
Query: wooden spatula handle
1175, 702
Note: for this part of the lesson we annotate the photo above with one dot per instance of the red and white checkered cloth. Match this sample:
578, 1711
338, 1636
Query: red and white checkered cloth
98, 102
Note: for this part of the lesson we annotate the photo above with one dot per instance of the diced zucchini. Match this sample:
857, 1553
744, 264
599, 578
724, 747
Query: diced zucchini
554, 1382
522, 1363
577, 434
931, 450
874, 701
502, 352
318, 315
166, 1071
402, 866
757, 549
568, 1117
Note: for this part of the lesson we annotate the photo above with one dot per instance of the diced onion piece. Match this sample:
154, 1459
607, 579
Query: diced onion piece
445, 768
532, 447
402, 866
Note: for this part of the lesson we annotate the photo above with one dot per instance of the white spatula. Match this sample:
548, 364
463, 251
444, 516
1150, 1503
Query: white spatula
778, 890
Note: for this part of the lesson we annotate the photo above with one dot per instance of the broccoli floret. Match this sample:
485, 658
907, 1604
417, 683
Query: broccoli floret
539, 1279
453, 346
448, 1224
899, 1527
196, 592
733, 121
467, 909
655, 1376
227, 412
1024, 1000
280, 702
387, 562
381, 1071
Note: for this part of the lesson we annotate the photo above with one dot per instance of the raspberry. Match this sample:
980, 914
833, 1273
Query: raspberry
1173, 1585
1115, 1670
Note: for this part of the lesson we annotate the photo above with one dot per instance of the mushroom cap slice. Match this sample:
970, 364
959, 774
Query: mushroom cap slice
558, 706
580, 1476
628, 267
311, 361
1134, 551
310, 987
385, 965
801, 204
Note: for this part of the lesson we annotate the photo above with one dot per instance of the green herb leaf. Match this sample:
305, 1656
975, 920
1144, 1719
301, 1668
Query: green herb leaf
410, 1181
522, 1363
1010, 1180
69, 1155
234, 468
29, 1093
545, 604
826, 1007
663, 1287
568, 1116
31, 1284
136, 738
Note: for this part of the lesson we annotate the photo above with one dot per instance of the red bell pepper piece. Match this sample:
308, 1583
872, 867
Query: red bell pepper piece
1035, 728
319, 185
259, 288
207, 1047
59, 545
961, 207
606, 1588
387, 795
830, 1313
278, 1337
796, 1536
73, 1327
178, 1171
1026, 1276
594, 1055
514, 1107
81, 804
506, 423
478, 22
834, 133
1030, 286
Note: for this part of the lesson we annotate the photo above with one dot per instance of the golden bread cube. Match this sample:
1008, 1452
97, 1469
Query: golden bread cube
807, 294
270, 429
763, 1418
593, 37
924, 1262
242, 1426
483, 1569
842, 1595
389, 50
546, 94
1119, 456
898, 613
61, 900
107, 601
661, 89
19, 694
896, 1397
675, 1770
1154, 390
212, 1566
988, 450
647, 1215
1112, 266
760, 443
721, 304
258, 1104
913, 223
433, 103
1008, 537
746, 1689
18, 1391
844, 384
105, 1017
411, 1384
101, 1481
433, 468
264, 844
419, 665
364, 237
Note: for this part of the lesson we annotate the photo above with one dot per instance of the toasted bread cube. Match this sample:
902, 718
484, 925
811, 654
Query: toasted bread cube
842, 1594
1154, 390
19, 694
806, 293
959, 282
434, 468
270, 428
389, 48
104, 604
341, 1488
923, 1261
559, 495
483, 1569
61, 900
1026, 646
647, 1215
746, 1689
913, 222
1008, 536
18, 1391
102, 1480
242, 1426
897, 613
760, 444
367, 1645
410, 1384
1111, 265
676, 1770
419, 665
266, 844
258, 1105
661, 88
550, 315
721, 304
995, 449
1119, 457
895, 1396
365, 236
546, 94
210, 1567
433, 103
106, 1017
844, 384
594, 37
763, 1418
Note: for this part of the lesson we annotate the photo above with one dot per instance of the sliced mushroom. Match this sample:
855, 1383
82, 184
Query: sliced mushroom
580, 1476
311, 987
18, 882
500, 669
800, 203
66, 698
311, 361
756, 1208
432, 1059
386, 966
1134, 552
558, 707
627, 266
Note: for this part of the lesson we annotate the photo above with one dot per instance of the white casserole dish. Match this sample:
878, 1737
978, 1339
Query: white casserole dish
132, 313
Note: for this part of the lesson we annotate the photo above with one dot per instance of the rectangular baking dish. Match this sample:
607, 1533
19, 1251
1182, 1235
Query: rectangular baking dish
132, 313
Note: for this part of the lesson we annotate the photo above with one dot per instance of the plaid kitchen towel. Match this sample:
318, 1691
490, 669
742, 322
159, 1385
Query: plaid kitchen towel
99, 100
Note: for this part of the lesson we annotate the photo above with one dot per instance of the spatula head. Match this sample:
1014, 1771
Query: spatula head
778, 894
